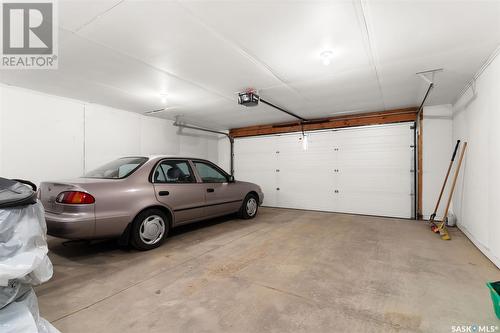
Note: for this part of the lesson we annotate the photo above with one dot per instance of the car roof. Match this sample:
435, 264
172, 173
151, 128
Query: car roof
158, 157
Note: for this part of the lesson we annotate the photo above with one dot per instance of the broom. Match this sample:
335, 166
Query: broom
443, 231
433, 215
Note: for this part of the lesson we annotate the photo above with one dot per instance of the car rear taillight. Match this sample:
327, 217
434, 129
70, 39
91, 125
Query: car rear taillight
75, 198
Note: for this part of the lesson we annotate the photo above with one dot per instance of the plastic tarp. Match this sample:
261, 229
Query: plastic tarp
23, 264
15, 194
22, 316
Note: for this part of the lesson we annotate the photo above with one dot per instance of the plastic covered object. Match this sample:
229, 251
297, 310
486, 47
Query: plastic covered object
14, 193
23, 245
22, 316
23, 259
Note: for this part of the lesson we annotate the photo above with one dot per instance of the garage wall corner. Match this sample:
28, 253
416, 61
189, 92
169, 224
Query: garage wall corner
476, 115
437, 150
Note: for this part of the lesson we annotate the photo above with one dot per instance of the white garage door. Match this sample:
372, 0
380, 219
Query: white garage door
363, 170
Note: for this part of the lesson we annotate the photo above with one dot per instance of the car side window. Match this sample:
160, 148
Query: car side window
173, 171
209, 174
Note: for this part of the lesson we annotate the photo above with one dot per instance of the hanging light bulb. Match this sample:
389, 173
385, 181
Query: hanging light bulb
163, 97
305, 141
326, 57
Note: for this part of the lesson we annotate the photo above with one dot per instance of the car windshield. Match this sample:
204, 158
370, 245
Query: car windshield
117, 169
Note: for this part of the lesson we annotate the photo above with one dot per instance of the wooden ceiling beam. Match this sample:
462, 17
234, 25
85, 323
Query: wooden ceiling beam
360, 119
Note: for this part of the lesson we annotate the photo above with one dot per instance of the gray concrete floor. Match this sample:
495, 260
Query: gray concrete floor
285, 271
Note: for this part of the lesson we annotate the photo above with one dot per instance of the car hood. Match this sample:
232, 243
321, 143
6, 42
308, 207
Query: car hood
248, 185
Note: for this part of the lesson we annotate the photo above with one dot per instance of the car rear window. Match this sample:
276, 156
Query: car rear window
117, 169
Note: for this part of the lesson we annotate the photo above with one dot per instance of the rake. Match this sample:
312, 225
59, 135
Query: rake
441, 227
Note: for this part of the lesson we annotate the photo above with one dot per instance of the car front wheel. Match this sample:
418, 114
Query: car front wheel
249, 207
149, 229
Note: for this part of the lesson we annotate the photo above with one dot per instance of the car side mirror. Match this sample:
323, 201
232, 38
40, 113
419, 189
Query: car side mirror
231, 179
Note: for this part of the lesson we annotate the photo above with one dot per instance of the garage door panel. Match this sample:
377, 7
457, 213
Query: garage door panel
390, 157
395, 158
389, 180
255, 161
297, 190
305, 175
375, 203
375, 134
318, 156
362, 171
375, 166
267, 181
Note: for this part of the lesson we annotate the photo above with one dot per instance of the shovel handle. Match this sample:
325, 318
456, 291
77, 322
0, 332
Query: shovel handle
455, 151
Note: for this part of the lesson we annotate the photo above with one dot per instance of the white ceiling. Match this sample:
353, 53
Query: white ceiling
125, 54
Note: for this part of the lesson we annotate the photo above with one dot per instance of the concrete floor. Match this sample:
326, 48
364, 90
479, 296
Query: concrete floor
285, 271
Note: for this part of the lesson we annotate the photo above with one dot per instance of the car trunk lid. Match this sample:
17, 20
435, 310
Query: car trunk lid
50, 190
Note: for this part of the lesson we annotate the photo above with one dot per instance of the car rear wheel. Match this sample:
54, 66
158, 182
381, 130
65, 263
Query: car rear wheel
149, 229
249, 207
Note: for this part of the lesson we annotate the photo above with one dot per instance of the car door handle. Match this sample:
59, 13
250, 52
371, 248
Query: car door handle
210, 190
163, 193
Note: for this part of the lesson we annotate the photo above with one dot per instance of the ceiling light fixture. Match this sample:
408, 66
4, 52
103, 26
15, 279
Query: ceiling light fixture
305, 141
326, 57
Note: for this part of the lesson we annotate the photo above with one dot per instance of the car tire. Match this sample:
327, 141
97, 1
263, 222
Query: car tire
149, 229
249, 207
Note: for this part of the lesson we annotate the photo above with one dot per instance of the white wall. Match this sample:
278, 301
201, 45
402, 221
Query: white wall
45, 137
199, 144
437, 148
224, 156
38, 133
476, 117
